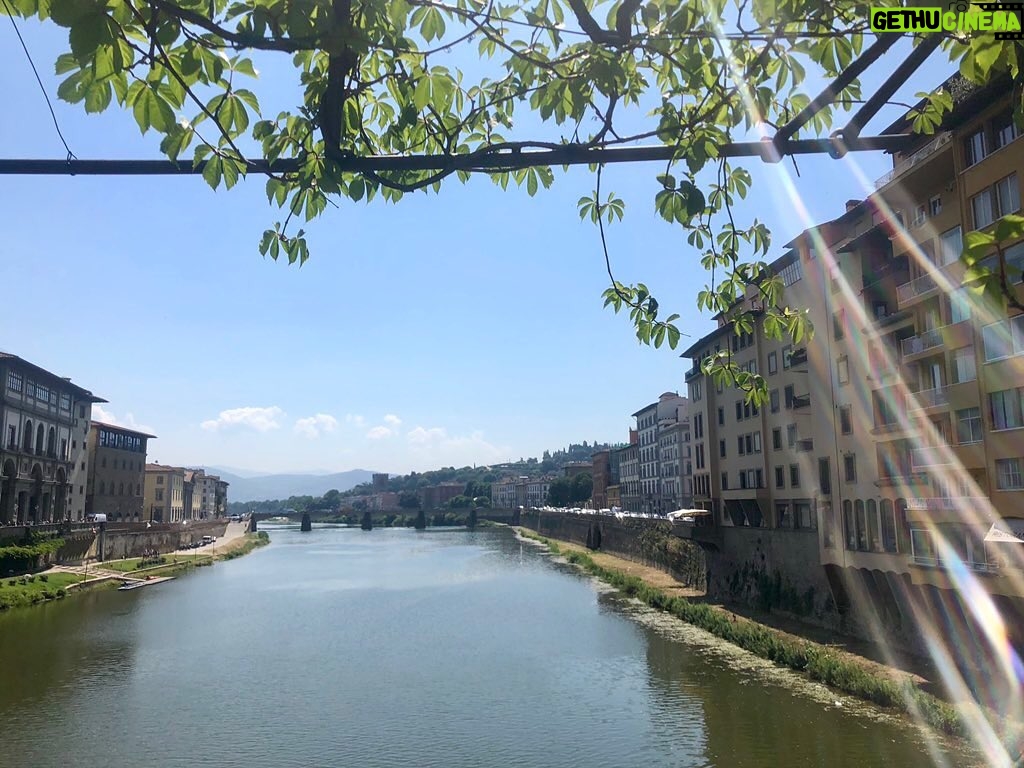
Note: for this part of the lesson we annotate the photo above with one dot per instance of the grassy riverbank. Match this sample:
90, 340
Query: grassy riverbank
839, 670
24, 591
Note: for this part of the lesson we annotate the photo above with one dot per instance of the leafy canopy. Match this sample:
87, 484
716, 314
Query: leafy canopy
467, 83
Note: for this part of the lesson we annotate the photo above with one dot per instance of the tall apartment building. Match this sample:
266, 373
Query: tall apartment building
43, 456
650, 420
164, 494
601, 475
117, 472
629, 478
892, 439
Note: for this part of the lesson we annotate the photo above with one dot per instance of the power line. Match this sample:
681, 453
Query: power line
494, 162
10, 13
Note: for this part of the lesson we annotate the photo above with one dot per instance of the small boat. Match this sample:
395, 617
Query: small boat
127, 585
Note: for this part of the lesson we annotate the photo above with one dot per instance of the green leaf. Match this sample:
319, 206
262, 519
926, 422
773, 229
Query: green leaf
151, 111
212, 171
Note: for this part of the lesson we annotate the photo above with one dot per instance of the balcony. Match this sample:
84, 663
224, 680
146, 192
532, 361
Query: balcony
945, 503
927, 561
929, 398
915, 159
802, 401
919, 286
798, 356
915, 345
936, 456
804, 446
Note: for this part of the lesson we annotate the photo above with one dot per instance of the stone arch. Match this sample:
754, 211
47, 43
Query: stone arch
8, 492
60, 496
26, 441
35, 498
40, 438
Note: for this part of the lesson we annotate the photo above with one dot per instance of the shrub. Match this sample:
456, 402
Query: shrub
43, 577
61, 593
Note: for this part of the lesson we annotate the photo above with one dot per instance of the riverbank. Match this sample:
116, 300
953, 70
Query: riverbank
840, 670
63, 581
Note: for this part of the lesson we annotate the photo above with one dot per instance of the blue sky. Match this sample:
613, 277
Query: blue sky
447, 330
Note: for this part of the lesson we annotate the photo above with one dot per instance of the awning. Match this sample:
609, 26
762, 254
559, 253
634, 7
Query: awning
688, 513
1007, 532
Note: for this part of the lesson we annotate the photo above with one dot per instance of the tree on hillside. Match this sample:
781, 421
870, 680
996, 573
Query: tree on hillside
582, 485
386, 108
408, 500
331, 499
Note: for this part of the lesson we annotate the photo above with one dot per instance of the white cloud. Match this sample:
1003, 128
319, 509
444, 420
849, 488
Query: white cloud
421, 436
355, 420
379, 433
260, 419
392, 420
456, 450
99, 413
314, 426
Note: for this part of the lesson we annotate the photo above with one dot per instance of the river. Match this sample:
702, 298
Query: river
409, 649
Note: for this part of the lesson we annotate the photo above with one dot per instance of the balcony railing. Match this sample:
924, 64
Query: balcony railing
938, 562
917, 158
945, 503
923, 342
929, 398
937, 456
802, 401
804, 446
917, 287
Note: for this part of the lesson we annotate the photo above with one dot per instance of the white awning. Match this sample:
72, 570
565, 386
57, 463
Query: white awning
1007, 531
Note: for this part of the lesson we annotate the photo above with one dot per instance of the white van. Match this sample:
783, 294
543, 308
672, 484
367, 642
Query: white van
98, 517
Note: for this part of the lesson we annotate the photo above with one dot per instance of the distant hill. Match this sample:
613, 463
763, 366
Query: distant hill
263, 487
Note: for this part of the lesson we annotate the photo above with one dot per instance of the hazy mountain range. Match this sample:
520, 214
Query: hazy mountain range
254, 486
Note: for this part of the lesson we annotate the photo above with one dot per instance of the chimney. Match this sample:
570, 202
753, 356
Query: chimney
851, 204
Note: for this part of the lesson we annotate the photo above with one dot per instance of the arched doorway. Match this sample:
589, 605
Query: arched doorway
35, 498
8, 493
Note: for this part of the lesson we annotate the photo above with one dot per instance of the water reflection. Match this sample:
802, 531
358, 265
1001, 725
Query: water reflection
397, 648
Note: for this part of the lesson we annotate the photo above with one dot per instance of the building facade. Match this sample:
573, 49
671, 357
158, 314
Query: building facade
601, 476
43, 455
116, 472
629, 478
164, 494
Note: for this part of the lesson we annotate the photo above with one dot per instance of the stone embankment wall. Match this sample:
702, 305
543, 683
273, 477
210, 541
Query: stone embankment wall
114, 543
641, 540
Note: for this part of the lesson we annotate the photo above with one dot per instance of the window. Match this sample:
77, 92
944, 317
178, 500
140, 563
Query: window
951, 245
999, 341
14, 381
774, 398
739, 410
773, 363
780, 477
743, 481
794, 475
920, 216
758, 478
846, 419
843, 369
42, 393
159, 494
839, 325
159, 479
1004, 130
1005, 407
849, 528
695, 390
964, 368
802, 517
777, 439
721, 416
790, 394
782, 515
757, 442
888, 527
935, 206
981, 207
959, 306
974, 148
787, 356
739, 444
748, 441
791, 274
1007, 195
872, 516
746, 410
968, 426
824, 476
721, 448
850, 467
1008, 475
725, 481
791, 435
12, 436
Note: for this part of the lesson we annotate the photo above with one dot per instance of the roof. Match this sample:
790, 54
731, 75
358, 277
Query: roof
119, 428
62, 381
646, 408
163, 468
